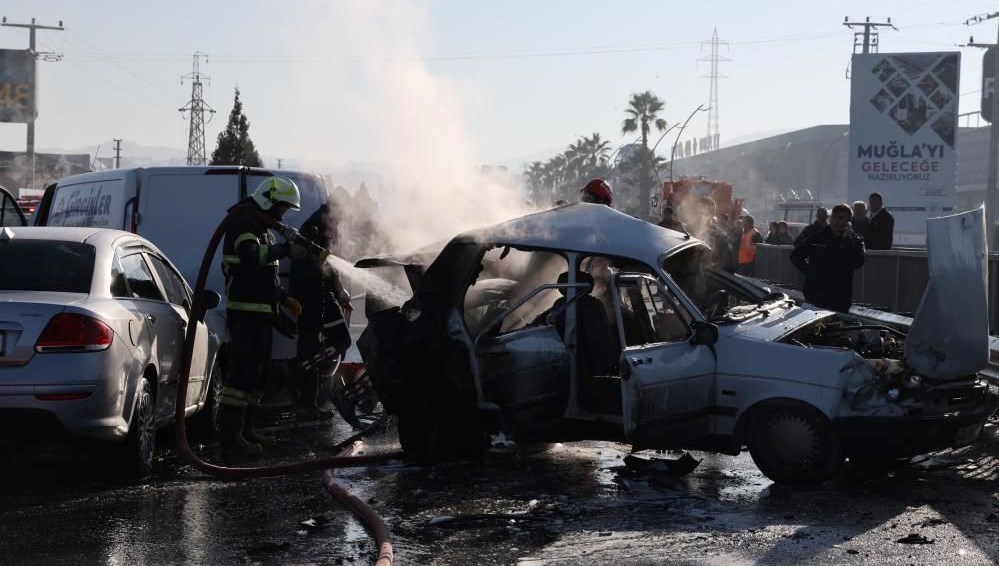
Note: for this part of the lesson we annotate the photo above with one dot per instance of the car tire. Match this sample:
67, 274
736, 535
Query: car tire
792, 445
205, 424
136, 454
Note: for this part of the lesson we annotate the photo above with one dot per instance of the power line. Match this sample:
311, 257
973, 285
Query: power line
867, 39
159, 89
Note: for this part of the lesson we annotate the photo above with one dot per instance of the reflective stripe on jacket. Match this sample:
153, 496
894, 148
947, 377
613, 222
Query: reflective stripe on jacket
249, 262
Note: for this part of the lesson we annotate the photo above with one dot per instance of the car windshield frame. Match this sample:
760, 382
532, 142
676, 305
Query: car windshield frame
47, 266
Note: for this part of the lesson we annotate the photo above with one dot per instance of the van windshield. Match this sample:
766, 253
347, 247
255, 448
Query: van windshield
47, 266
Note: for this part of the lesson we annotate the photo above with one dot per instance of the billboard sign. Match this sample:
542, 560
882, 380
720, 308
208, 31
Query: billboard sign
17, 85
903, 121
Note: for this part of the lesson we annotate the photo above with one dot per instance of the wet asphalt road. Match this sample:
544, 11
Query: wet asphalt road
561, 504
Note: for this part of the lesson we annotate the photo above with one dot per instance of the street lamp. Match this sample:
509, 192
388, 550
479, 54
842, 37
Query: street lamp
672, 153
668, 130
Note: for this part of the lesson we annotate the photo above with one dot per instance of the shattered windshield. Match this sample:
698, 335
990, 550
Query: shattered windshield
718, 294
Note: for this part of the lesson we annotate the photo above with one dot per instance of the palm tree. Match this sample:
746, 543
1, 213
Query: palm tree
534, 175
596, 151
643, 112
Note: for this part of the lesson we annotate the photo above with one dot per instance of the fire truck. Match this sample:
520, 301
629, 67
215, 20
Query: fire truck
676, 192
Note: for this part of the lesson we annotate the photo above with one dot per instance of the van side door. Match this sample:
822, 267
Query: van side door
178, 212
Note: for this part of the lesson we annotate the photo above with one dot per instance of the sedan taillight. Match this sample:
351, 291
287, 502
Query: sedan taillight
68, 332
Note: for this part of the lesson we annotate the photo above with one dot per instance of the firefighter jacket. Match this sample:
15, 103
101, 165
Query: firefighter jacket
250, 263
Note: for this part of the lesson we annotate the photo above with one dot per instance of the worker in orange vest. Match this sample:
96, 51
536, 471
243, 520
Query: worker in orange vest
747, 247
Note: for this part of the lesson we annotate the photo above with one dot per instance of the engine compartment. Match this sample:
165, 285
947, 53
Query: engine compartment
881, 381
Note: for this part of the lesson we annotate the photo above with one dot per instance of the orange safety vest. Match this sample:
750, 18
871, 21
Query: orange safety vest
747, 247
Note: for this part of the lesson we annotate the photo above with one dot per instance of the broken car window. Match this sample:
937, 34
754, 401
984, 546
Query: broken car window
507, 275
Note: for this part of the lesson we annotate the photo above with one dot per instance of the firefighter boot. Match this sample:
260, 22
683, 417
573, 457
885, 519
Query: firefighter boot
234, 443
265, 441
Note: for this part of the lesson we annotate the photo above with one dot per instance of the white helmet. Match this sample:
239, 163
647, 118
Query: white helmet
277, 190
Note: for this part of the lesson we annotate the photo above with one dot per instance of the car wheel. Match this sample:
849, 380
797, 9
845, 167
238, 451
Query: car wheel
205, 424
794, 446
136, 454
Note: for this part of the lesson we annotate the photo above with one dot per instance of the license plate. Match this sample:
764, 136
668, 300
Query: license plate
967, 434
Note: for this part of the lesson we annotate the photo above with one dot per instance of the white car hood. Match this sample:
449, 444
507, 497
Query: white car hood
949, 336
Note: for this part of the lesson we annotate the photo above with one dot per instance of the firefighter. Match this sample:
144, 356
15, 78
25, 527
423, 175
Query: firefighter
598, 191
253, 297
325, 300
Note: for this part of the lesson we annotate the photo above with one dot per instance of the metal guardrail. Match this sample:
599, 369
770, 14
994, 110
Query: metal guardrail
890, 280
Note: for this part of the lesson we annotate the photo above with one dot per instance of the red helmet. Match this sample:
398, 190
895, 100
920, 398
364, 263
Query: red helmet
598, 191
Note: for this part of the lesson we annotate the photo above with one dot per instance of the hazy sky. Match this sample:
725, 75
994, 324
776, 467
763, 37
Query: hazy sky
479, 82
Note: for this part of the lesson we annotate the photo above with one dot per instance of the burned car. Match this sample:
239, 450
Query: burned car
581, 322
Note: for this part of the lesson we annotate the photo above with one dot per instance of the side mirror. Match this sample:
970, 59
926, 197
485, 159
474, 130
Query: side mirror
210, 299
704, 333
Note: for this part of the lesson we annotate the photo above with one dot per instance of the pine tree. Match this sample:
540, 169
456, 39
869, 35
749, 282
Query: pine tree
234, 144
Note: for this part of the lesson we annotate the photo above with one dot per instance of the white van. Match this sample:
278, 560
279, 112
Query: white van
176, 208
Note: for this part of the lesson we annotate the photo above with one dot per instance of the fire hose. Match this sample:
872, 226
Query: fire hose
365, 513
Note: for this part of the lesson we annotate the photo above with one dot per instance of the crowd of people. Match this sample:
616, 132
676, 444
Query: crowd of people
827, 251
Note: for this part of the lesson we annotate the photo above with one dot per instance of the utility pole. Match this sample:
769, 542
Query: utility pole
868, 39
197, 107
117, 153
32, 27
713, 135
279, 162
990, 188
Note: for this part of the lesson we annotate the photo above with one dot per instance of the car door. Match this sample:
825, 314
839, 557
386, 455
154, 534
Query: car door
165, 327
179, 298
10, 212
667, 380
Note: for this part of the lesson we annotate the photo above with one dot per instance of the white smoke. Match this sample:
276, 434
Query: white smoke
413, 118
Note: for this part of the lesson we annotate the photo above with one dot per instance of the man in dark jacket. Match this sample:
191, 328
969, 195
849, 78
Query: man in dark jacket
880, 232
828, 259
818, 225
318, 287
250, 264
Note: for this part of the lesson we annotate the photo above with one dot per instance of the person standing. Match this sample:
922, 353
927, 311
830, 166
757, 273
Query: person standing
747, 246
818, 225
250, 263
783, 237
860, 219
771, 233
597, 191
670, 221
880, 234
324, 299
828, 260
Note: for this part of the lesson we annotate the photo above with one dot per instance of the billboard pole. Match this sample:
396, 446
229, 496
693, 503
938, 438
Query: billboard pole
30, 145
990, 188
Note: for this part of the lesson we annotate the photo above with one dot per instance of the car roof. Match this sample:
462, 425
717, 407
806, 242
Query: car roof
97, 237
590, 228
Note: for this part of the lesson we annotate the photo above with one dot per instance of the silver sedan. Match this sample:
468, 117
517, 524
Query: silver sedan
92, 325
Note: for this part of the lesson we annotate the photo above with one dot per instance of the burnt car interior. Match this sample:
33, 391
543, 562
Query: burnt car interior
642, 312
